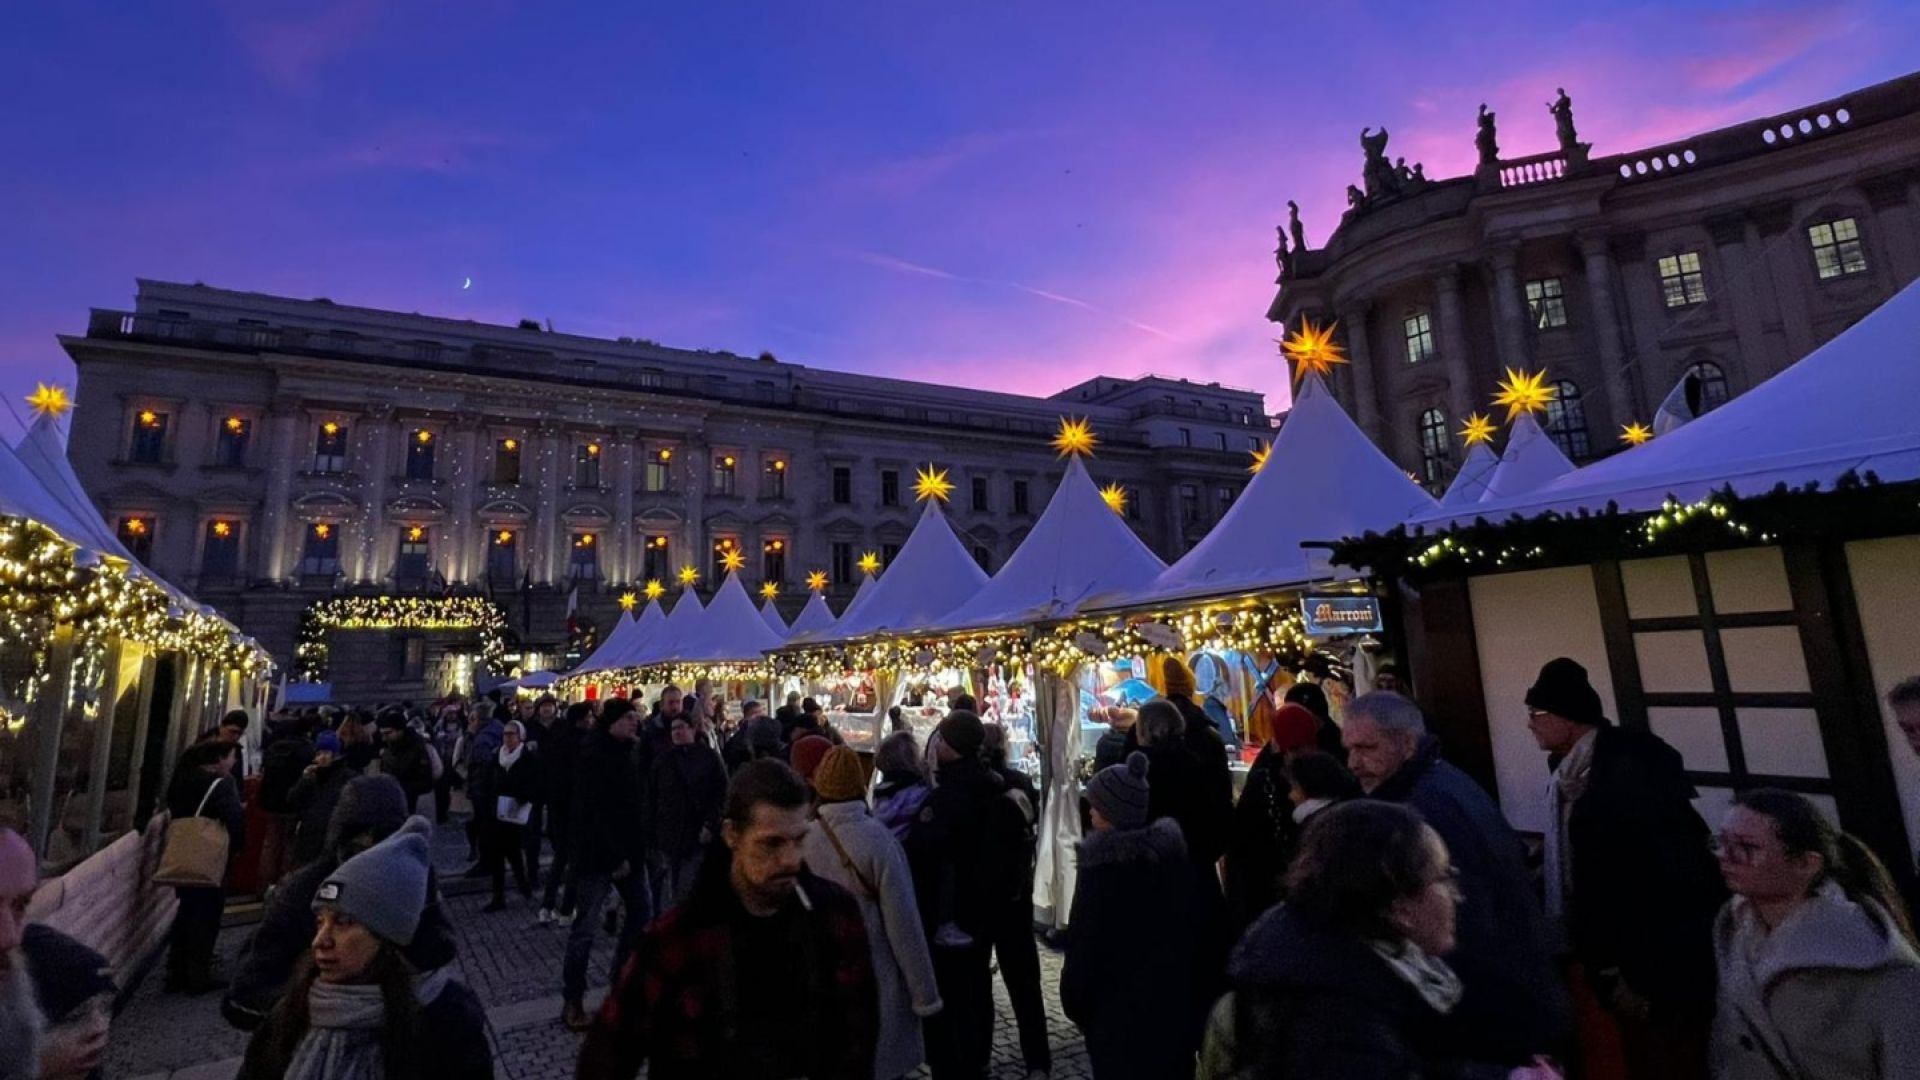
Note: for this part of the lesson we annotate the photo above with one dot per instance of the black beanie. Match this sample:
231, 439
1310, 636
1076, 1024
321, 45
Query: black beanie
963, 733
1563, 690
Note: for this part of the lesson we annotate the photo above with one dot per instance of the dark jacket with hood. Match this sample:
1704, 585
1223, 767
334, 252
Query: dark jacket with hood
314, 799
607, 793
688, 786
408, 762
364, 816
1514, 1006
280, 767
1129, 981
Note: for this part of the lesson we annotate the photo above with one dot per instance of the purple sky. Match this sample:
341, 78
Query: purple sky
1006, 195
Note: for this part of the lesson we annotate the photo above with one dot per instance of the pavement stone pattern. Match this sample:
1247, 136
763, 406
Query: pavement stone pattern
513, 964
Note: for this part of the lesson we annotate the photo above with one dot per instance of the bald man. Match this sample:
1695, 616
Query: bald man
21, 1025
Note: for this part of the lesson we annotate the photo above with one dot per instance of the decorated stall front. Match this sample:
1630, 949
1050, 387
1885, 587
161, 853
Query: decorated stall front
593, 677
1742, 585
725, 644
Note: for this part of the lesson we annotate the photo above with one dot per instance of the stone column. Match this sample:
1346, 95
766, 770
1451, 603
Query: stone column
624, 568
464, 478
1453, 344
546, 513
1739, 292
375, 469
1606, 328
1366, 392
283, 435
1895, 231
1792, 275
695, 471
1509, 318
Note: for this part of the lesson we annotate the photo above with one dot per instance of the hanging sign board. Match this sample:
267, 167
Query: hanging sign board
1340, 613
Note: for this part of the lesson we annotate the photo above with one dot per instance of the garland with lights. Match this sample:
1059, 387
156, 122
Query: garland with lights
477, 613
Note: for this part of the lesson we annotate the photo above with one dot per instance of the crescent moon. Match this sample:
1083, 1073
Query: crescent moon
467, 284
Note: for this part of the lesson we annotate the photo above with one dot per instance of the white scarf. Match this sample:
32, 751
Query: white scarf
1309, 808
345, 1020
507, 759
1569, 782
1429, 976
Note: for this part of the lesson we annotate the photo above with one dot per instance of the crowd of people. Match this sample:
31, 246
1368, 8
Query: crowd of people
786, 909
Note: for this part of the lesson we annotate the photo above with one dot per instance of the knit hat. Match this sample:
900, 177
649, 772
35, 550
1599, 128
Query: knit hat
1294, 727
1119, 792
1563, 690
806, 754
328, 741
384, 888
389, 719
839, 777
370, 805
763, 735
1176, 678
963, 733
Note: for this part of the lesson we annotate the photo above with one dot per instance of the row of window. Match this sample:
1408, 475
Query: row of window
1835, 246
1221, 441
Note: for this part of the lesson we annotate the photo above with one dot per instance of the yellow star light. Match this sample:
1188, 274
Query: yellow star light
929, 483
628, 599
732, 560
870, 562
654, 589
689, 575
1312, 348
1479, 429
1075, 437
770, 589
1635, 433
1260, 457
1115, 497
1524, 393
49, 400
817, 581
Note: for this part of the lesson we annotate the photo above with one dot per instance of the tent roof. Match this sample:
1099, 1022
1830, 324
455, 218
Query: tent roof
813, 618
1845, 407
644, 630
730, 629
771, 615
663, 643
1323, 480
618, 639
1078, 549
1531, 460
932, 575
1470, 483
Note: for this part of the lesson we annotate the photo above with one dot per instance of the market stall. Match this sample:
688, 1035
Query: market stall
726, 644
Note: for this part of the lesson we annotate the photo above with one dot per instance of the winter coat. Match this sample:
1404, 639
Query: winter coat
450, 1034
1515, 1007
606, 807
280, 768
1213, 811
902, 964
559, 760
687, 790
521, 782
955, 866
1178, 787
1828, 995
1129, 977
1634, 824
408, 762
1262, 841
1113, 747
314, 798
1313, 1004
189, 786
897, 801
677, 1006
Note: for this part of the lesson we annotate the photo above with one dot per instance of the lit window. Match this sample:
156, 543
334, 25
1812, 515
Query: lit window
724, 468
656, 564
773, 561
659, 476
1436, 449
586, 465
1567, 420
583, 563
1836, 248
149, 445
321, 553
420, 456
1419, 328
136, 535
1546, 303
220, 552
725, 550
506, 461
230, 444
330, 448
774, 483
1682, 283
415, 551
503, 555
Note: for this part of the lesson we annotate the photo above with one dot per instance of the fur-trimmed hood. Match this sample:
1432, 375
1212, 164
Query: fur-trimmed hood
1160, 842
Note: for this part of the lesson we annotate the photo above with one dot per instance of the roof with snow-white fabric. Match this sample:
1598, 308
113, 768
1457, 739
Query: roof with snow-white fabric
1848, 406
1077, 550
771, 616
1470, 483
932, 575
1323, 480
664, 642
813, 618
1531, 460
730, 629
618, 639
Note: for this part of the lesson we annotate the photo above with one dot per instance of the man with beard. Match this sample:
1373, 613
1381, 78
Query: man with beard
763, 972
21, 1025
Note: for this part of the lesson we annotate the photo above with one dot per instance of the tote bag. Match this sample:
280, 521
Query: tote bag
195, 852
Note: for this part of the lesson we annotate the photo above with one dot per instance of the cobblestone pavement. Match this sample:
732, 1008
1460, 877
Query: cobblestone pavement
513, 964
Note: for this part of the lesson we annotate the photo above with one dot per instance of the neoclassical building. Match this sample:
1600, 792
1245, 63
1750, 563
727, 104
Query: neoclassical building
1710, 262
269, 452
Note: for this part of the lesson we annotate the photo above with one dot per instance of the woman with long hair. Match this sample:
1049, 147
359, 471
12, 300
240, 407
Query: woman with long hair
359, 1010
1818, 973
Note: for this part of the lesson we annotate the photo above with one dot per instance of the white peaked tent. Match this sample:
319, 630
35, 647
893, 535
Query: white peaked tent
813, 618
771, 616
730, 630
622, 634
1078, 549
932, 575
1470, 483
1845, 407
1531, 460
1323, 480
664, 641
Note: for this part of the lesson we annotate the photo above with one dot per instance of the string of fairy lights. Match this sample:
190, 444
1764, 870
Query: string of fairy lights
478, 614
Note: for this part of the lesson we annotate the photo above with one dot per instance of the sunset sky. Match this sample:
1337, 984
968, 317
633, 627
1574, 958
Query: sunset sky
1007, 195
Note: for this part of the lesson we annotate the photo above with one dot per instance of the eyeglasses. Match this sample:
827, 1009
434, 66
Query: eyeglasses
1535, 714
1448, 881
1735, 850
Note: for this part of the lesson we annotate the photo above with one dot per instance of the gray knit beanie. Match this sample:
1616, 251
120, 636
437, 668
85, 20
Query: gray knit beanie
384, 888
1119, 792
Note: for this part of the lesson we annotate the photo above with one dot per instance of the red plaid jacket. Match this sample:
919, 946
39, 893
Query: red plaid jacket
675, 1008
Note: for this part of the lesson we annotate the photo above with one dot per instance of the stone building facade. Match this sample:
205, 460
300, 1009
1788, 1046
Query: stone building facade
1723, 257
268, 452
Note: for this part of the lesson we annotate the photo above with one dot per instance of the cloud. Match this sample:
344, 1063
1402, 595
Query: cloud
903, 266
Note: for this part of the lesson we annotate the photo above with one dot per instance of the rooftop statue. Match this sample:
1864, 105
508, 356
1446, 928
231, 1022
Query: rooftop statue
1294, 228
1487, 141
1562, 110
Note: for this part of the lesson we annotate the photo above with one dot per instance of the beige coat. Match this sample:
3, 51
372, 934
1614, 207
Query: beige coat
1830, 994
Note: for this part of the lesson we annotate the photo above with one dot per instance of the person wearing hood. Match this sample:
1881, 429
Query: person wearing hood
514, 778
1818, 974
680, 811
1622, 815
900, 784
1131, 988
370, 809
1348, 978
1264, 833
852, 849
361, 1010
314, 796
